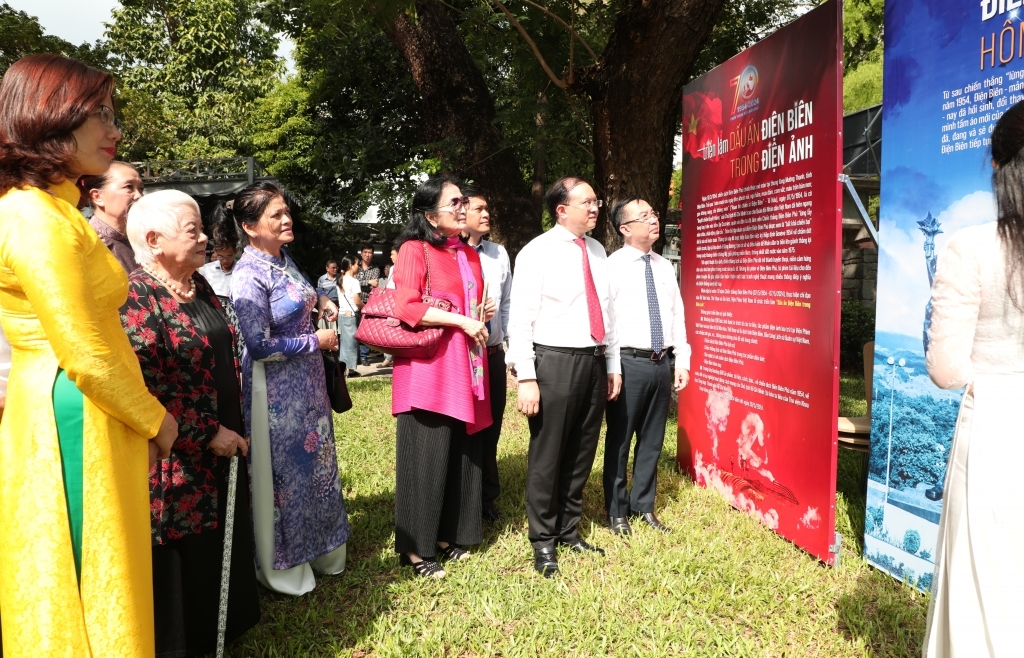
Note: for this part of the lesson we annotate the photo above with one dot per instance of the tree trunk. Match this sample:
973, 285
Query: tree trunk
540, 157
458, 117
636, 97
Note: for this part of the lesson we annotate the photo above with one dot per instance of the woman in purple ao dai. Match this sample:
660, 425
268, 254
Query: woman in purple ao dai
299, 515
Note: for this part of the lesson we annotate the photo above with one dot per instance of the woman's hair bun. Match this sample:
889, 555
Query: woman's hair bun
223, 229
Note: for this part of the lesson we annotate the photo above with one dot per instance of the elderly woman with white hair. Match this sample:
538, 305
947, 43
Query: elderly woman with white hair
185, 345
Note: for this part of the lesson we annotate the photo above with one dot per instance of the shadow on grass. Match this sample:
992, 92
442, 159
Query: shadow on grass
343, 609
886, 616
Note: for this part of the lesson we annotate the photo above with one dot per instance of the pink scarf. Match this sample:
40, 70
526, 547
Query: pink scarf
476, 354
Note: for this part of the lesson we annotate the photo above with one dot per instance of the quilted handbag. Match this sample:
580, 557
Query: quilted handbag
381, 330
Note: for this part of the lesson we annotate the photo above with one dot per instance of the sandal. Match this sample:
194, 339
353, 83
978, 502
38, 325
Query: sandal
426, 568
453, 552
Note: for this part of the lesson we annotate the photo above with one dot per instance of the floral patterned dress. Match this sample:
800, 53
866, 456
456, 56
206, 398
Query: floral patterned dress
273, 303
178, 367
187, 356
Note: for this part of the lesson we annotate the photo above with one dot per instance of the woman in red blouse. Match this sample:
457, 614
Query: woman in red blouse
443, 400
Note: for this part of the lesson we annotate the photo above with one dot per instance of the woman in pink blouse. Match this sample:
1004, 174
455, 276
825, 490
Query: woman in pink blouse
440, 402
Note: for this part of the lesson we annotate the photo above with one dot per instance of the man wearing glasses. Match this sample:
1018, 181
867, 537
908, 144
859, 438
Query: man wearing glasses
650, 323
563, 350
497, 271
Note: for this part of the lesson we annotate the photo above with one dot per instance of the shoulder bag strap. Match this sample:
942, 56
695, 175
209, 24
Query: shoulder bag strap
426, 259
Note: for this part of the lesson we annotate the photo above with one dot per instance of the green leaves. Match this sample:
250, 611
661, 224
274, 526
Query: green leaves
22, 35
190, 73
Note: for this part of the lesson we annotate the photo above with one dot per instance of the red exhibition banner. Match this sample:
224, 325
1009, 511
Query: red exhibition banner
761, 237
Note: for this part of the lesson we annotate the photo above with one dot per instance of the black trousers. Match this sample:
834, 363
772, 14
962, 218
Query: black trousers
488, 438
563, 442
437, 484
641, 409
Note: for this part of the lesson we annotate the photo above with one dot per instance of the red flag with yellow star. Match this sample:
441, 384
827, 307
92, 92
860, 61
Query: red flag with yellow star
702, 125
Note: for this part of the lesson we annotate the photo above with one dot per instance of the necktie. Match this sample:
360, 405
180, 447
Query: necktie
653, 310
593, 303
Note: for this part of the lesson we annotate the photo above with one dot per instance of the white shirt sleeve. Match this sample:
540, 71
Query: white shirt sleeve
506, 292
678, 337
612, 361
526, 290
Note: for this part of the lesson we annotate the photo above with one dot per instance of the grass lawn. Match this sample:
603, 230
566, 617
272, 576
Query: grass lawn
720, 585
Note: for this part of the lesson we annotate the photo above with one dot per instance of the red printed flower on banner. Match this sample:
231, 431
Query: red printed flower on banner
702, 125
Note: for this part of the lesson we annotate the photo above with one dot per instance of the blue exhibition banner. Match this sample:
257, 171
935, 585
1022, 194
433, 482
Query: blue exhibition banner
952, 67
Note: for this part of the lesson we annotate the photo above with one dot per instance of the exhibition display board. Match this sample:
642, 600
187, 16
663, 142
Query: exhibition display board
951, 70
760, 244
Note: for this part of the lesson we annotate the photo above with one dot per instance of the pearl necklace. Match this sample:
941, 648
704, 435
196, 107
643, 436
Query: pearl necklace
189, 295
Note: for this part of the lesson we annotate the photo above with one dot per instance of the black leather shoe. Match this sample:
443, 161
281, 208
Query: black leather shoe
651, 520
619, 525
491, 515
545, 561
580, 546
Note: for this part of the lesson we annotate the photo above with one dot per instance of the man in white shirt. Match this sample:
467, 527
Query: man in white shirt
649, 322
563, 350
218, 271
497, 271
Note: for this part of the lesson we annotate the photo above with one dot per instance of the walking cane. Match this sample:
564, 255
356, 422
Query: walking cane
225, 568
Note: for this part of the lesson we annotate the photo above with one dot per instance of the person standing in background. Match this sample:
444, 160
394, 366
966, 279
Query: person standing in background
389, 360
369, 278
328, 282
111, 194
563, 349
349, 303
225, 248
498, 282
649, 312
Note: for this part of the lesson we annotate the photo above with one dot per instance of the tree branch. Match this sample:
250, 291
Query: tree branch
560, 83
573, 32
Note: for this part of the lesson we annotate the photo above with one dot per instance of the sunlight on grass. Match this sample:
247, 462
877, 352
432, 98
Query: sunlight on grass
719, 585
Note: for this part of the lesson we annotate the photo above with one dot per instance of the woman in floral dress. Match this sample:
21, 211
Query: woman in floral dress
185, 345
298, 509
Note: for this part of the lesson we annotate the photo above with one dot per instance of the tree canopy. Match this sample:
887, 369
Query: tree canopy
509, 94
22, 35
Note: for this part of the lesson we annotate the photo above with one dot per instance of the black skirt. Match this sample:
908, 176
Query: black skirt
186, 583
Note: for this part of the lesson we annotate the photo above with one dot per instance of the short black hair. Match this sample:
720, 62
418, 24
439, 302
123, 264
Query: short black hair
471, 190
363, 247
330, 262
558, 194
619, 209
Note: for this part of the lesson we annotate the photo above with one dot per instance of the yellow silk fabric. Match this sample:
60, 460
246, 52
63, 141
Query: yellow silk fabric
60, 291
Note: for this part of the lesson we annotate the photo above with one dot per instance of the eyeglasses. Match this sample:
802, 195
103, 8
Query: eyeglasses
647, 218
456, 203
107, 116
587, 205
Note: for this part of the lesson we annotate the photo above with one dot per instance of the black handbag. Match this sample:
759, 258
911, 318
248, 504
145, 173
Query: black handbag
337, 388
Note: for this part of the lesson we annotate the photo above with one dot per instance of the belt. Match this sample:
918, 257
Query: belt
596, 350
495, 349
643, 354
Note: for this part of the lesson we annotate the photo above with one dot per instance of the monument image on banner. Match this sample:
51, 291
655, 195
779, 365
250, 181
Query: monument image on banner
760, 247
943, 93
